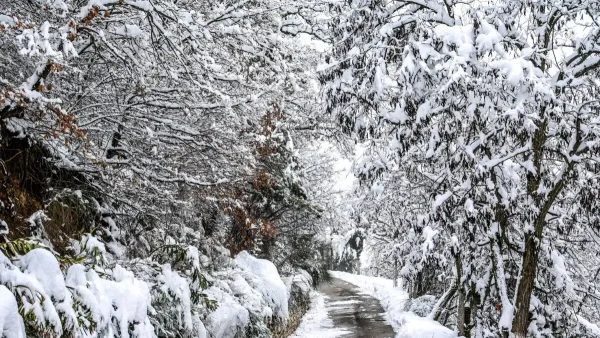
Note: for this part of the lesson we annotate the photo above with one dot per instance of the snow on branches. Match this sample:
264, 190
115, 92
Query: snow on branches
479, 121
146, 114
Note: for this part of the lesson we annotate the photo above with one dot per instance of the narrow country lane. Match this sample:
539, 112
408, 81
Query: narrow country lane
356, 314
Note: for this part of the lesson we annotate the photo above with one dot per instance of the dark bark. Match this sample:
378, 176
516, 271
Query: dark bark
471, 310
460, 316
529, 268
530, 256
395, 271
522, 317
443, 302
460, 320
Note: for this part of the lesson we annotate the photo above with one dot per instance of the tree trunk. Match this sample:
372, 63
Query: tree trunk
530, 257
416, 286
528, 271
395, 271
471, 311
533, 240
460, 317
331, 266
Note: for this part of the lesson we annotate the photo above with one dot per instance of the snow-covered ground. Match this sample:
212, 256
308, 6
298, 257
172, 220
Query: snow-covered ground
406, 324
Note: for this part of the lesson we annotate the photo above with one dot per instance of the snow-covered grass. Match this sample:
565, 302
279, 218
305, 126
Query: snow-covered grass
316, 322
406, 324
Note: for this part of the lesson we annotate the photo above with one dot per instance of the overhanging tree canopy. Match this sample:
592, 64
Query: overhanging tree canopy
488, 111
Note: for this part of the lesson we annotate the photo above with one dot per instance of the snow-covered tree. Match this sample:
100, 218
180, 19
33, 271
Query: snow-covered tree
480, 124
134, 120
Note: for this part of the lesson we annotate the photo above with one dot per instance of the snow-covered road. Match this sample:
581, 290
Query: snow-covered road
340, 309
364, 307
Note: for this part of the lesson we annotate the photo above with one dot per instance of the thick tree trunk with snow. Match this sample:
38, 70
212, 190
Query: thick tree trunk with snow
530, 259
460, 321
530, 256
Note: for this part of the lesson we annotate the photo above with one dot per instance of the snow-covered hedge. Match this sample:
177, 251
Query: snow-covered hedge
11, 323
251, 296
79, 303
44, 294
299, 287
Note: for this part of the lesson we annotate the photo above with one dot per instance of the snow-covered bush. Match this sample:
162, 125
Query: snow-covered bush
265, 278
250, 294
11, 323
421, 306
88, 299
80, 303
91, 295
299, 288
178, 300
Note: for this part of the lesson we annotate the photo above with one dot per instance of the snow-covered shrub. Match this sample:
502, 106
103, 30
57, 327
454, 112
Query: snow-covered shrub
120, 304
230, 318
11, 323
241, 298
78, 304
421, 306
263, 276
83, 297
39, 288
168, 294
178, 299
299, 287
299, 284
256, 328
253, 300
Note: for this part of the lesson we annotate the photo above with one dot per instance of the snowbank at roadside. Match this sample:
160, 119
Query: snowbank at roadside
406, 324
